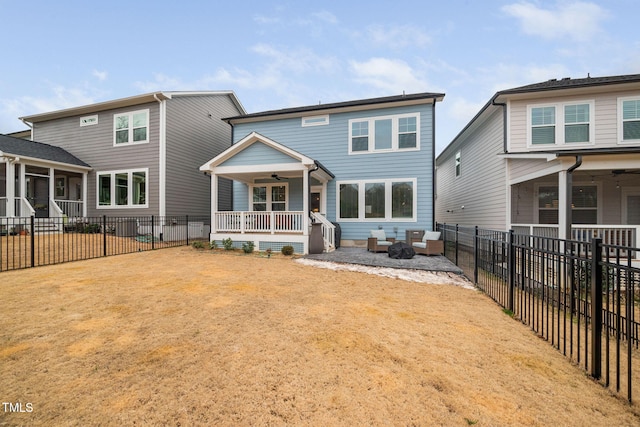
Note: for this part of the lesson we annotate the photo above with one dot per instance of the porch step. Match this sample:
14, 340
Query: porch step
45, 225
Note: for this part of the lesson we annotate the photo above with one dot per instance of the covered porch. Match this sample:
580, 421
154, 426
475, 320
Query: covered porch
40, 180
279, 197
600, 198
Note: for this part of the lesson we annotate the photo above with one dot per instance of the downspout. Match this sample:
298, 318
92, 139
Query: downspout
569, 205
433, 166
504, 121
162, 175
28, 125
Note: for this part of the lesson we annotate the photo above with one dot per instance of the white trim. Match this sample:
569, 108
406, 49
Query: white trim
322, 190
112, 189
395, 132
559, 125
387, 203
620, 136
309, 121
130, 128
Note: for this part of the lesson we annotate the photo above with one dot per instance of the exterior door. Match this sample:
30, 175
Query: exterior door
38, 194
632, 207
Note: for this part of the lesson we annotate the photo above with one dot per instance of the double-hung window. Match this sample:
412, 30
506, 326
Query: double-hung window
377, 200
123, 189
131, 128
386, 133
629, 119
559, 124
269, 197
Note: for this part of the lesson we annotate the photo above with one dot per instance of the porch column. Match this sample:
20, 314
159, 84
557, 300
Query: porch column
10, 188
214, 202
563, 203
305, 202
52, 186
85, 200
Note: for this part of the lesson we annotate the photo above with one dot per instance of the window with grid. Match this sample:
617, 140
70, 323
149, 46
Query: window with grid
131, 128
383, 134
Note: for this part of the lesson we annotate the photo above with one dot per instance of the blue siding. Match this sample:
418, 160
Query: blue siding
258, 154
329, 145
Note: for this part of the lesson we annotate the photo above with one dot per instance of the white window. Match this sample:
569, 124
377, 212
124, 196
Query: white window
123, 189
458, 163
131, 128
315, 120
269, 197
387, 133
629, 120
377, 200
560, 124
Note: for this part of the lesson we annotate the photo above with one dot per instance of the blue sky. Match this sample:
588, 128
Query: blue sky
277, 54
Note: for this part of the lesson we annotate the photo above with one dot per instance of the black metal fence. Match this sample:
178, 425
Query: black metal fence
31, 242
582, 297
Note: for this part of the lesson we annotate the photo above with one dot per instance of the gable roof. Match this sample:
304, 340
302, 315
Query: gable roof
19, 147
127, 102
360, 104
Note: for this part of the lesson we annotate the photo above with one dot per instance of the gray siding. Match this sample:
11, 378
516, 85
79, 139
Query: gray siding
329, 144
194, 137
481, 186
94, 145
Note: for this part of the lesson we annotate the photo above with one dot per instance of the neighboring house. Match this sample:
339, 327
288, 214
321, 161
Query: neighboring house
548, 158
36, 178
363, 165
139, 157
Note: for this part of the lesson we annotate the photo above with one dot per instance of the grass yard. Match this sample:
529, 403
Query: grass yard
186, 337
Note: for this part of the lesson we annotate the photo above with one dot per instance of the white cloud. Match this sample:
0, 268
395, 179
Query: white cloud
326, 17
100, 75
390, 75
397, 37
578, 21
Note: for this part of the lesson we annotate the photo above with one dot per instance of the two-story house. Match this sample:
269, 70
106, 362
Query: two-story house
559, 158
360, 165
136, 156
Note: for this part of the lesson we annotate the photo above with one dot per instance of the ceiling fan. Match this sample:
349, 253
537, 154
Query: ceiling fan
276, 176
617, 172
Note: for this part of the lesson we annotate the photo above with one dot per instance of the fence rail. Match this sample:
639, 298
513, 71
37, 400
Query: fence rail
30, 242
580, 296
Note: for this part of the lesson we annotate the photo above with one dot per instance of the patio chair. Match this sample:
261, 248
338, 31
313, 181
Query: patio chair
378, 241
430, 244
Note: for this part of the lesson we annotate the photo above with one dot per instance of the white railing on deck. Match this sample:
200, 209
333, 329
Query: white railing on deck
259, 222
618, 235
71, 208
328, 231
24, 208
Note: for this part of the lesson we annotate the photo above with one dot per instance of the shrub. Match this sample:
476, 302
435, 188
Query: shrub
247, 247
198, 244
287, 250
227, 244
213, 245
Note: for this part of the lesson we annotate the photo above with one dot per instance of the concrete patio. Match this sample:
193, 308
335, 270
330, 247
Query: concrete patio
361, 256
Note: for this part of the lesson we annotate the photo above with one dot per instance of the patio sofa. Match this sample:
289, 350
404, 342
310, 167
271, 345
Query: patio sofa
430, 244
379, 242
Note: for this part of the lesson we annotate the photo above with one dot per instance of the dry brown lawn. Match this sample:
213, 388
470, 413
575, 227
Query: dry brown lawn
186, 337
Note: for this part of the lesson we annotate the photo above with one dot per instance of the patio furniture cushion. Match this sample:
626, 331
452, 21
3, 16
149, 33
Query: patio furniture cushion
431, 235
422, 245
379, 235
384, 243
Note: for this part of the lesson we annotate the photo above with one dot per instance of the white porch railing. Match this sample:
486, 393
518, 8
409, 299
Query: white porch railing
328, 231
23, 207
259, 222
71, 208
618, 235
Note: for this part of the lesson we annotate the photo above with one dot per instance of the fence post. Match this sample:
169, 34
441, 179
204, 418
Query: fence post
596, 308
511, 270
444, 237
187, 225
32, 234
456, 244
476, 256
104, 235
153, 233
